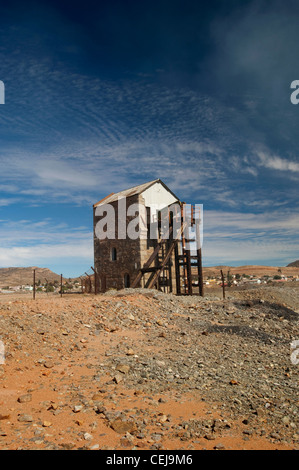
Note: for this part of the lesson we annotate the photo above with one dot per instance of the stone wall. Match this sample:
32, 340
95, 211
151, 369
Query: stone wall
127, 260
130, 254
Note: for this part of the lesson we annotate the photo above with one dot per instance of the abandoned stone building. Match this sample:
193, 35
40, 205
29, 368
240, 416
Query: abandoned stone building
135, 244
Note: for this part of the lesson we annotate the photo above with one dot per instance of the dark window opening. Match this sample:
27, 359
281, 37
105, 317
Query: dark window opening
113, 254
127, 281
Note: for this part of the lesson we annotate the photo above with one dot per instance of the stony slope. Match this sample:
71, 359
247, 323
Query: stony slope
141, 369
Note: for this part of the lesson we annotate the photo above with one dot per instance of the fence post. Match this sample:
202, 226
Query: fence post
223, 287
90, 283
34, 284
95, 281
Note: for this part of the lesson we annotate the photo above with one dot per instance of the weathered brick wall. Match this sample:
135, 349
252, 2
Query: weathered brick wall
127, 252
131, 254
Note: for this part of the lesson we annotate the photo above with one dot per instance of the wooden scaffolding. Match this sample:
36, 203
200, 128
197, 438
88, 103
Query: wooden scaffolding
175, 246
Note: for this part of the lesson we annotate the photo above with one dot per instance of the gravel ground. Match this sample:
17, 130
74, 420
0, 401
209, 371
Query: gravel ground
146, 370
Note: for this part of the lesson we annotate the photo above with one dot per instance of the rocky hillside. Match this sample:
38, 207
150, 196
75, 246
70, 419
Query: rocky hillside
24, 276
295, 264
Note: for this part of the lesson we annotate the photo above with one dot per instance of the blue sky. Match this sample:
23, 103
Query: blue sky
102, 96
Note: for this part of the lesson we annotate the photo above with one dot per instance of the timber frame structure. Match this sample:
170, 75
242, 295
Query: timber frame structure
166, 254
175, 247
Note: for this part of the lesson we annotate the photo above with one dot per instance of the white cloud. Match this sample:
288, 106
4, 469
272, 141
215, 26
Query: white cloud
89, 137
44, 243
46, 231
274, 162
8, 201
18, 255
250, 251
234, 237
275, 221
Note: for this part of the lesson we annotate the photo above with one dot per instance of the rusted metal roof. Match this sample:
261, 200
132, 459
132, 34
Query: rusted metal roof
131, 192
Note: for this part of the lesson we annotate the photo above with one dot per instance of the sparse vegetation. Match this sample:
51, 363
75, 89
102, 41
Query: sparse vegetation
49, 288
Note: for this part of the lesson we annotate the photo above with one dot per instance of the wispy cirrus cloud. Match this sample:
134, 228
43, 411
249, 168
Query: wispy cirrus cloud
234, 237
250, 251
271, 222
8, 201
275, 162
217, 132
44, 231
73, 258
86, 136
45, 243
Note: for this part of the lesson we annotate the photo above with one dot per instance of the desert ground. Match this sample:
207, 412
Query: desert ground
139, 369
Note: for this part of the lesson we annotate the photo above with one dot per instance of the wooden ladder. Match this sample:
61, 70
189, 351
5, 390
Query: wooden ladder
184, 261
147, 268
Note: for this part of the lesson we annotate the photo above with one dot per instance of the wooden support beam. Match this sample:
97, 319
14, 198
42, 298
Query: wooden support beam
199, 260
200, 274
150, 270
150, 260
157, 274
166, 259
189, 272
177, 269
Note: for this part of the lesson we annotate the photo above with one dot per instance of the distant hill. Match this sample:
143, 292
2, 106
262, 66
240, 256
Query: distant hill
294, 264
252, 270
24, 276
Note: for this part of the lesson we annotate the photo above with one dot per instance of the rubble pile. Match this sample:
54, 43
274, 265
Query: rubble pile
139, 369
